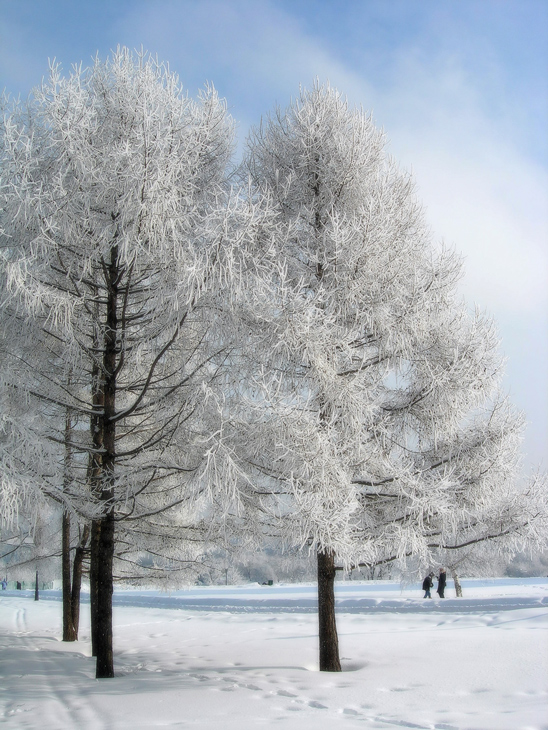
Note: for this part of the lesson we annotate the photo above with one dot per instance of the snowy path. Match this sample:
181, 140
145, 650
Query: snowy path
482, 669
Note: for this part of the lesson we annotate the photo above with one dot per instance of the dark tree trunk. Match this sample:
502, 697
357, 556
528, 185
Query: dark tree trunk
68, 628
105, 553
69, 633
93, 582
36, 593
329, 640
105, 659
94, 475
77, 570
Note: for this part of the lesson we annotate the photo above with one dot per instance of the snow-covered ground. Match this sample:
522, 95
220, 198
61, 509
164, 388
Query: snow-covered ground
244, 657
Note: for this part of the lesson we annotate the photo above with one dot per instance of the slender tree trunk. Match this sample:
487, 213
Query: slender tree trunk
93, 582
36, 592
77, 570
105, 659
94, 475
69, 633
105, 553
329, 640
68, 628
458, 587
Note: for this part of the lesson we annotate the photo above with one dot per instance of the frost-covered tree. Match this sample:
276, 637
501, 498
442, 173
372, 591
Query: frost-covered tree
121, 249
377, 419
502, 520
31, 546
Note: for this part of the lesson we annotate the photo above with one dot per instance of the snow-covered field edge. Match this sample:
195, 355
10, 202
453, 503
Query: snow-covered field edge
246, 656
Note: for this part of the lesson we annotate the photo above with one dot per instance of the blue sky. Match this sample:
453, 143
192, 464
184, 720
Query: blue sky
460, 87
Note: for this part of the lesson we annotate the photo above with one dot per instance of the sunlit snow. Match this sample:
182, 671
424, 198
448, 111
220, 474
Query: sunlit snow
241, 657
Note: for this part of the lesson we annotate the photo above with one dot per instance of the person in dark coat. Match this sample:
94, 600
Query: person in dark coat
442, 580
427, 585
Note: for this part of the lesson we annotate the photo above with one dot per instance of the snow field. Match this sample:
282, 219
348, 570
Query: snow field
246, 657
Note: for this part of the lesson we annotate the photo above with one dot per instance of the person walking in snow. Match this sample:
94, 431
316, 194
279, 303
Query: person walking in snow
442, 580
427, 585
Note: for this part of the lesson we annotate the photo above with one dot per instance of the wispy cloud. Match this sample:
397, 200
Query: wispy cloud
484, 193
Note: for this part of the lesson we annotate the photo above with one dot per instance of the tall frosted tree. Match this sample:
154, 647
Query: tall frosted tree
377, 420
121, 246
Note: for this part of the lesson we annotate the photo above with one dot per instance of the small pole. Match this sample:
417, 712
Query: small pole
36, 594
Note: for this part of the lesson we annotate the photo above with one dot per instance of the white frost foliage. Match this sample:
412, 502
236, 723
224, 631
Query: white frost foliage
376, 402
118, 155
12, 498
290, 358
120, 238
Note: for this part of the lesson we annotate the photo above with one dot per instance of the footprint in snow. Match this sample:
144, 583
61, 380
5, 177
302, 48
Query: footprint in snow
317, 705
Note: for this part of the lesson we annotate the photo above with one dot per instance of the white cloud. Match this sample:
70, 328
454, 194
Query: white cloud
482, 193
494, 209
259, 52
